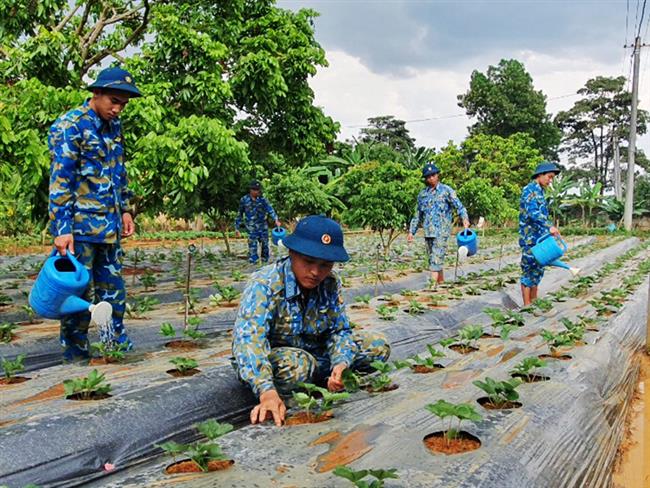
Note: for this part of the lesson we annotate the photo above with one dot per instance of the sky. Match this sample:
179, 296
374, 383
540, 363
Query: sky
411, 58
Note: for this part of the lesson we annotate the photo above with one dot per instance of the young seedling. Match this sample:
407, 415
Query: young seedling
7, 331
11, 367
167, 330
351, 380
237, 275
500, 393
148, 280
448, 341
560, 339
386, 313
408, 293
363, 300
428, 362
576, 330
228, 293
112, 352
357, 477
381, 381
184, 365
415, 308
5, 300
467, 336
31, 315
201, 453
87, 388
192, 330
543, 305
505, 331
308, 402
462, 411
526, 366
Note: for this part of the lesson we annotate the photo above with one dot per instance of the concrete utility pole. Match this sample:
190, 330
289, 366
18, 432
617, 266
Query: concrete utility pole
629, 189
618, 191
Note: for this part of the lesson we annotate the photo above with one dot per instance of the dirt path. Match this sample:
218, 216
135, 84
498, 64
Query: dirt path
633, 468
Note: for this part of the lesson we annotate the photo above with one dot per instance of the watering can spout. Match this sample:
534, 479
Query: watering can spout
73, 304
561, 264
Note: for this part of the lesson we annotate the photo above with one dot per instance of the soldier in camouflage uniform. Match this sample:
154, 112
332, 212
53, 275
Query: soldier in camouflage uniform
533, 224
89, 200
434, 213
291, 326
255, 208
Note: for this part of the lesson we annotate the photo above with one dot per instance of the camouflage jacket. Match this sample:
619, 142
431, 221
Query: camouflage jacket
434, 211
533, 215
271, 315
255, 212
88, 183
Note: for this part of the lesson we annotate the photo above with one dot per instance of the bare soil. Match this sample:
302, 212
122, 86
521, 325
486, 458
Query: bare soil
437, 443
303, 418
181, 345
188, 372
535, 378
418, 368
485, 403
13, 380
189, 466
463, 349
392, 387
93, 396
561, 357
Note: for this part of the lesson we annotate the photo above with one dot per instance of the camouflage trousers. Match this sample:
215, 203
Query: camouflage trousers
292, 365
531, 271
106, 284
253, 240
436, 248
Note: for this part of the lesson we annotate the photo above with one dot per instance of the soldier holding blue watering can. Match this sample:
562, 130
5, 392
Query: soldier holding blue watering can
434, 213
534, 223
89, 201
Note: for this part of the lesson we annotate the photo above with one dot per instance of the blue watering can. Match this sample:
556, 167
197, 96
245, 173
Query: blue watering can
469, 239
549, 250
58, 287
278, 234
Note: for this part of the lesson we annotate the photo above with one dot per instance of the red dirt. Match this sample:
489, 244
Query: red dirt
438, 443
485, 403
463, 349
302, 418
344, 448
561, 357
189, 466
129, 271
418, 368
181, 345
14, 380
392, 387
189, 372
56, 391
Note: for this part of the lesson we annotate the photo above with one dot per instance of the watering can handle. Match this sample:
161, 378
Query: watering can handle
77, 265
559, 239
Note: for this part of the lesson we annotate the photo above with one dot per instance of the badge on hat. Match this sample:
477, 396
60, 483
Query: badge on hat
128, 79
326, 239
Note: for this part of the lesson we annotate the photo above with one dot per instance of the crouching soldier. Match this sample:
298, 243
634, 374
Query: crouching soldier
291, 326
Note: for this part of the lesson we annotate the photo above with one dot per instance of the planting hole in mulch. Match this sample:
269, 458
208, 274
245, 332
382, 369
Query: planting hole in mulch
312, 418
532, 378
189, 466
91, 397
181, 345
392, 387
418, 368
463, 349
130, 271
14, 380
439, 444
485, 403
189, 372
561, 357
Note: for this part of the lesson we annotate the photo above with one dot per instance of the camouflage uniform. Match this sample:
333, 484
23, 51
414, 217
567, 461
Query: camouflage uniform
434, 213
533, 224
255, 212
278, 343
88, 194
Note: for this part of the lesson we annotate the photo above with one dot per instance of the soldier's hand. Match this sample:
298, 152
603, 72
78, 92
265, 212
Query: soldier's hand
270, 403
64, 242
335, 381
278, 223
409, 237
466, 223
128, 226
554, 231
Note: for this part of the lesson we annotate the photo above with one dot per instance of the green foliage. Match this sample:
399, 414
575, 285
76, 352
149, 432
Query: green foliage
308, 402
11, 367
461, 411
148, 279
351, 381
364, 299
499, 392
229, 293
505, 102
192, 329
526, 366
110, 352
415, 308
183, 365
356, 477
386, 312
380, 381
543, 304
388, 130
201, 452
469, 334
85, 388
167, 330
7, 331
555, 340
140, 305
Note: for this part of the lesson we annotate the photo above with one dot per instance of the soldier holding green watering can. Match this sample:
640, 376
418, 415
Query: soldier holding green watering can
534, 223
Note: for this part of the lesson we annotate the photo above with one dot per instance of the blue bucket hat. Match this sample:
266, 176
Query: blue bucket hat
546, 167
318, 237
116, 79
429, 169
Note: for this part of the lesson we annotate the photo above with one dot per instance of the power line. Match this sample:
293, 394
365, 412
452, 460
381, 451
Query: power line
641, 22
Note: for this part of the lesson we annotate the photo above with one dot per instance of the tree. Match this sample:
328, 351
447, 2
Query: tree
595, 123
382, 197
504, 102
388, 130
482, 199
